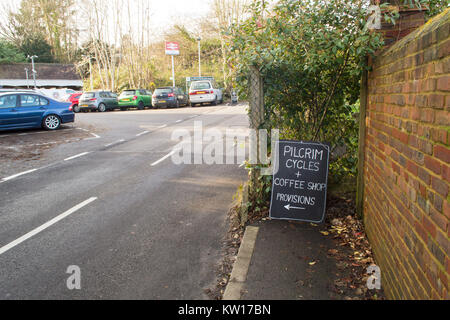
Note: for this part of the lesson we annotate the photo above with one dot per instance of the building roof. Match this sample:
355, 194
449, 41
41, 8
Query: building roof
45, 71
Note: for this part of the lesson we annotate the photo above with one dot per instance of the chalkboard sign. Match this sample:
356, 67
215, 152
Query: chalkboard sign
299, 189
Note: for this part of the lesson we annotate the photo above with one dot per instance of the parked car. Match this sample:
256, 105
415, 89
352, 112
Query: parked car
98, 101
74, 99
169, 97
21, 110
57, 94
205, 91
135, 98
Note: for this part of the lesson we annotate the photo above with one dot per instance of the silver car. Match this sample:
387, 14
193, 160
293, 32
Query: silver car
97, 101
205, 91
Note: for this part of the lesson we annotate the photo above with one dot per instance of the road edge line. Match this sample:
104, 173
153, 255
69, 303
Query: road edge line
241, 265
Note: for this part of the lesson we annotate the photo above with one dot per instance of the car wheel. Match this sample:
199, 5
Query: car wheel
214, 103
51, 122
101, 107
141, 106
76, 108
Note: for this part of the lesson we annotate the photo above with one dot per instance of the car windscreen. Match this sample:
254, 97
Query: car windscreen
200, 85
163, 91
88, 95
128, 93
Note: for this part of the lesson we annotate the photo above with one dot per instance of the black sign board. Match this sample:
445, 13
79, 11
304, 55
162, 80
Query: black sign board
299, 189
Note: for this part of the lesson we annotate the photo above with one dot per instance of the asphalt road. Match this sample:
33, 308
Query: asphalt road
113, 204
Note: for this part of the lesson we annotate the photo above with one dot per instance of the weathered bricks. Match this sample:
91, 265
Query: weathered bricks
407, 161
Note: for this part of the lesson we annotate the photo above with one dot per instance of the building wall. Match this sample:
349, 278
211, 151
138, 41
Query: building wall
406, 168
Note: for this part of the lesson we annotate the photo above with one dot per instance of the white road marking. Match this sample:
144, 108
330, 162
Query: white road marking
164, 158
163, 126
142, 133
45, 226
76, 156
178, 121
95, 136
18, 175
116, 142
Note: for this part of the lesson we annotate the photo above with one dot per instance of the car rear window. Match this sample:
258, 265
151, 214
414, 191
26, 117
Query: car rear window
163, 90
200, 85
88, 95
128, 93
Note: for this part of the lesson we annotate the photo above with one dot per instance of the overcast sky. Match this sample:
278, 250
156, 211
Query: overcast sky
165, 13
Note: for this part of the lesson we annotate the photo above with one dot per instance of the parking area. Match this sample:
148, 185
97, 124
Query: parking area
17, 147
24, 150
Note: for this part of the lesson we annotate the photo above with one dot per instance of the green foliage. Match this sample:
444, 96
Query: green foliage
10, 54
436, 6
311, 55
38, 46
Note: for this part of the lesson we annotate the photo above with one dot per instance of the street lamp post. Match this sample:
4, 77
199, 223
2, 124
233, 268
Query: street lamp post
33, 70
199, 59
26, 72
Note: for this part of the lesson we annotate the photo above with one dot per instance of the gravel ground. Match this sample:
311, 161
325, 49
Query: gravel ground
20, 150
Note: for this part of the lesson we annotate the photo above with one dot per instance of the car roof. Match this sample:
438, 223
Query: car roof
4, 93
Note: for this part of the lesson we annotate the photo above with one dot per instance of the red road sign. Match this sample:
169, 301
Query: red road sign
172, 48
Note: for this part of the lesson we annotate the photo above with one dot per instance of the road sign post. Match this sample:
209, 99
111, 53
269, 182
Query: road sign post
299, 189
172, 49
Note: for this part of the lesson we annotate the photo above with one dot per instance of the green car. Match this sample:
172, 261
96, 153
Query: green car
135, 98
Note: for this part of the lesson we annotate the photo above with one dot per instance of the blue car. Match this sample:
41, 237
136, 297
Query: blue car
22, 110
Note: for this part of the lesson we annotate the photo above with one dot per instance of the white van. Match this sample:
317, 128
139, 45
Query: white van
205, 91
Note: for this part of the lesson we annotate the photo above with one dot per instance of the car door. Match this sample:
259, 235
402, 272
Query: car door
8, 111
181, 96
144, 97
30, 111
149, 97
114, 103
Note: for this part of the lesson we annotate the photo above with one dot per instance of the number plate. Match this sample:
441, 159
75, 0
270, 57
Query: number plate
162, 101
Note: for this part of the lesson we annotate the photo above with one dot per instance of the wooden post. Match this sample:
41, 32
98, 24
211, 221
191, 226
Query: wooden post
362, 143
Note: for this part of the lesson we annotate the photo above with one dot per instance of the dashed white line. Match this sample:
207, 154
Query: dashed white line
163, 126
116, 142
45, 225
164, 158
18, 175
142, 133
76, 156
178, 121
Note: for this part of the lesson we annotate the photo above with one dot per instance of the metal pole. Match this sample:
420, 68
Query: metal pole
199, 59
26, 71
173, 72
33, 70
90, 74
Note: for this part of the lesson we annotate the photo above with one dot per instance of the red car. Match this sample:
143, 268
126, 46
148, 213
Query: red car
73, 98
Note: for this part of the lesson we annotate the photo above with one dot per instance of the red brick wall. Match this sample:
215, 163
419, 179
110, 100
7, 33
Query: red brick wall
406, 169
